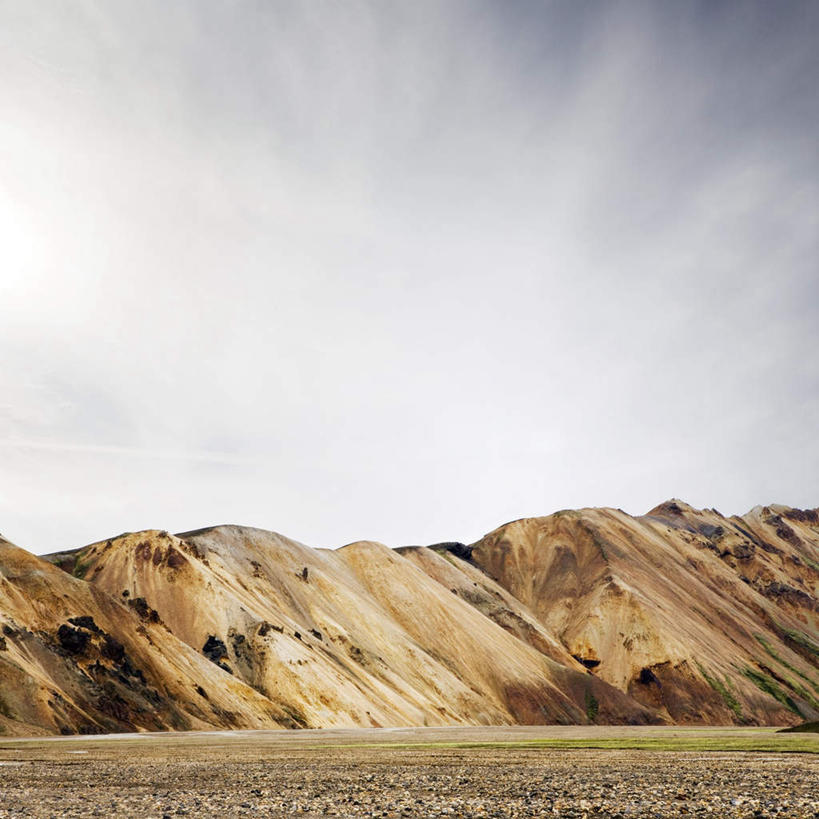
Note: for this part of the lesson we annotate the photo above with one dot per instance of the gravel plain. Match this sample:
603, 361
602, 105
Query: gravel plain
395, 775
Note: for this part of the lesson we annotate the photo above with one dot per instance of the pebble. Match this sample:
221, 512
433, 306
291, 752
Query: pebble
388, 784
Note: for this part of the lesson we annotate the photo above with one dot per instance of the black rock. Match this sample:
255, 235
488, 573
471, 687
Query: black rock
86, 622
214, 649
72, 640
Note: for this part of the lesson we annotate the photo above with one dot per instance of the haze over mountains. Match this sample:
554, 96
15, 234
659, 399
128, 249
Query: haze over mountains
679, 616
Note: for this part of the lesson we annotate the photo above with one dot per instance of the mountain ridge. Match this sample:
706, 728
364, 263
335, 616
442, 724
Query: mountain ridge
680, 615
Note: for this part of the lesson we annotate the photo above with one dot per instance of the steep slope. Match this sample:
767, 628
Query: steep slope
490, 598
357, 636
681, 615
704, 618
72, 659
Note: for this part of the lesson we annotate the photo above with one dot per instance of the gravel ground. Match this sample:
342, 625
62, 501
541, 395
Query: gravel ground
140, 780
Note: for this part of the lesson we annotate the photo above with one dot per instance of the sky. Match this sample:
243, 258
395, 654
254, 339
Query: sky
403, 271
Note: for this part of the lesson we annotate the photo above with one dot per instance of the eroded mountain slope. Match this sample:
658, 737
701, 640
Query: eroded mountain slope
73, 659
357, 636
681, 615
707, 619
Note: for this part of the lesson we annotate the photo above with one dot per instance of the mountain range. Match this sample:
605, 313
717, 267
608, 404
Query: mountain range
680, 616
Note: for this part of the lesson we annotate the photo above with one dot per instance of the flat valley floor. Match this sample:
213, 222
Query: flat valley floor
460, 772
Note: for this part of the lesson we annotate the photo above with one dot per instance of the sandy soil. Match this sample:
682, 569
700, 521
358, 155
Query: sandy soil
418, 772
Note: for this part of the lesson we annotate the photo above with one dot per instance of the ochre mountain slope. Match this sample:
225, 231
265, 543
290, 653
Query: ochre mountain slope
357, 636
584, 616
73, 659
705, 618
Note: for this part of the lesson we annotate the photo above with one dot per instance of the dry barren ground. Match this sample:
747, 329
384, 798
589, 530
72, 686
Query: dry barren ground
544, 771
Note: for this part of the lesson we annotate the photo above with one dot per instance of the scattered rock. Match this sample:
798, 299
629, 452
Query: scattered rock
385, 783
265, 628
455, 548
112, 649
85, 622
588, 662
73, 640
214, 649
145, 612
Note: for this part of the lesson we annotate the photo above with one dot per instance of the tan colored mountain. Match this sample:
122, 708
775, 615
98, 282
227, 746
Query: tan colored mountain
678, 616
705, 618
74, 659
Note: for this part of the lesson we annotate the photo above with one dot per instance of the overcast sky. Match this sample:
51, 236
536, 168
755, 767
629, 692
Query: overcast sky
403, 271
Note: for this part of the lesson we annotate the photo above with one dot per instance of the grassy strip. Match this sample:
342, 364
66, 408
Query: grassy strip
785, 664
592, 706
732, 740
764, 683
803, 641
723, 690
797, 689
772, 743
804, 728
80, 569
805, 694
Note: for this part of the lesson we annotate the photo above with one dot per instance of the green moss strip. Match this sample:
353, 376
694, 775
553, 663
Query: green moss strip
80, 569
764, 683
723, 689
785, 664
592, 706
801, 640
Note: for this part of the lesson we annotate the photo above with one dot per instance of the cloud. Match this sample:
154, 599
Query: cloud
125, 452
403, 271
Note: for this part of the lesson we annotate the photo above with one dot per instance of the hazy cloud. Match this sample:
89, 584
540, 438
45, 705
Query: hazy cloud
403, 271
